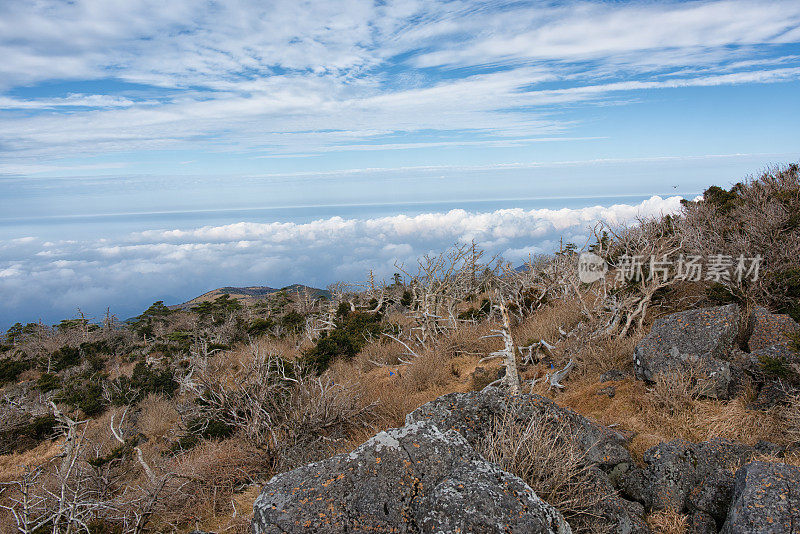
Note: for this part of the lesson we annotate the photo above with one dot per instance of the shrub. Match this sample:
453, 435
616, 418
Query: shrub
755, 218
720, 294
64, 358
48, 382
85, 394
293, 321
259, 327
42, 427
774, 366
787, 282
210, 428
344, 341
10, 369
144, 379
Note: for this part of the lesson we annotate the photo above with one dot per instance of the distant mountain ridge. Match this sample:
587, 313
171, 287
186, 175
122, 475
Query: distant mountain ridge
248, 294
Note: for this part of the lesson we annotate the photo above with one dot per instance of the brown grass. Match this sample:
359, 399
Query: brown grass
208, 478
550, 463
791, 418
667, 522
654, 417
546, 321
158, 420
12, 465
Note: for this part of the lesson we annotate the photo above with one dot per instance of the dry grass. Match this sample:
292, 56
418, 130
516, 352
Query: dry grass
12, 465
673, 392
375, 355
642, 412
430, 371
667, 522
598, 356
791, 418
546, 321
550, 463
208, 478
158, 420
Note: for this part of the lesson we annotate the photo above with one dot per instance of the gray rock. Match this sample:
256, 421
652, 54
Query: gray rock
636, 485
470, 414
773, 393
701, 523
413, 479
671, 474
697, 339
713, 495
676, 468
613, 374
772, 333
766, 500
611, 391
616, 514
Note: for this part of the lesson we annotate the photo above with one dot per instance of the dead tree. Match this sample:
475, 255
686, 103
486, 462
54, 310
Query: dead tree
510, 379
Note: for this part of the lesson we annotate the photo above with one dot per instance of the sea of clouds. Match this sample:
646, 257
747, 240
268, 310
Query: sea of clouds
50, 280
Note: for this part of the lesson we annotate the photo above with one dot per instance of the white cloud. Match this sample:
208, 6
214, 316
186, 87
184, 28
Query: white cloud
316, 76
141, 267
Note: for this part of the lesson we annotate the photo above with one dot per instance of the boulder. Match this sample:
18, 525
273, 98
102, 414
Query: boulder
713, 495
701, 523
470, 414
614, 374
413, 479
766, 500
697, 340
772, 334
682, 475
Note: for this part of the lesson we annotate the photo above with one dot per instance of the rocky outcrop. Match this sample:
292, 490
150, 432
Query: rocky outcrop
772, 334
700, 340
703, 343
471, 414
685, 476
428, 477
766, 500
413, 479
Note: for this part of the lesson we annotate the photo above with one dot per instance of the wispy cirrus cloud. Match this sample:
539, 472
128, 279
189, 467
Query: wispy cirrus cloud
300, 77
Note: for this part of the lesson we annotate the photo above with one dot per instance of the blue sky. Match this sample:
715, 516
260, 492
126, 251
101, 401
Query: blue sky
128, 107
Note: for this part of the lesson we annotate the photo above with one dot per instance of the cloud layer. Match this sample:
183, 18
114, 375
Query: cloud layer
136, 269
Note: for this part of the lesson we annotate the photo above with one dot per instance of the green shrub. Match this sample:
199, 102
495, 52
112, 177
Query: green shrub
787, 283
344, 341
293, 321
10, 369
48, 382
144, 379
42, 427
64, 358
723, 201
336, 344
120, 452
774, 367
85, 394
201, 428
721, 294
259, 327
